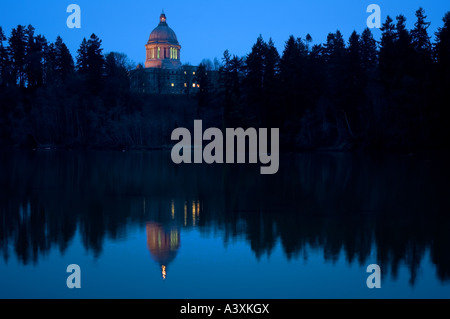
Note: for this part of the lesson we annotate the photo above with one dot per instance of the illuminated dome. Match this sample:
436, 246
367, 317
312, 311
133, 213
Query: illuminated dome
162, 243
162, 48
163, 33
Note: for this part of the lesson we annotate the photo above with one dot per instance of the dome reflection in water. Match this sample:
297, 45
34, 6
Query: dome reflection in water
163, 244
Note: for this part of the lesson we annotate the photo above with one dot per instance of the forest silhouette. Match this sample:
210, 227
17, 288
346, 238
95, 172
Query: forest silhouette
341, 95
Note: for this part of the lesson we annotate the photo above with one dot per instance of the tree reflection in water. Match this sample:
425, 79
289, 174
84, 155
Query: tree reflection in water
395, 205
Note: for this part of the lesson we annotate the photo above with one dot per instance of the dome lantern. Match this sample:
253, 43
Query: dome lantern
162, 18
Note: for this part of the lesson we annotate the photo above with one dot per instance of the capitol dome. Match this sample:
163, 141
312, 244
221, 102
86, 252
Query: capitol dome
163, 33
163, 49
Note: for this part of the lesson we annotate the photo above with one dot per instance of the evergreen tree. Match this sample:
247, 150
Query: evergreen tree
354, 50
334, 48
225, 80
231, 74
442, 49
292, 62
254, 80
4, 60
63, 60
387, 52
50, 72
442, 80
316, 52
291, 57
364, 120
91, 63
41, 47
422, 65
404, 51
335, 58
82, 57
403, 37
271, 66
369, 52
420, 37
354, 84
354, 61
31, 58
270, 83
96, 63
388, 35
17, 53
35, 53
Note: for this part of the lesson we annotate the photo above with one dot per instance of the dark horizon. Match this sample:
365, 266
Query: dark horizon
206, 29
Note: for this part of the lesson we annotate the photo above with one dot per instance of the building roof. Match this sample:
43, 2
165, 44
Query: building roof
163, 34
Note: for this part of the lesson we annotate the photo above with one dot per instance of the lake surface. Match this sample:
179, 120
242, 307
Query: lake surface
140, 226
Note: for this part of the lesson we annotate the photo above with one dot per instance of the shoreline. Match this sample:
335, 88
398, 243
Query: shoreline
336, 150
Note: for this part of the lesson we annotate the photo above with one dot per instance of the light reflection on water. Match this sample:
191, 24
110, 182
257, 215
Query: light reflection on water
141, 227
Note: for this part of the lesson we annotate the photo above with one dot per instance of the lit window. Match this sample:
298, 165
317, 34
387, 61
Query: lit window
185, 85
185, 72
159, 52
193, 85
193, 73
198, 85
172, 85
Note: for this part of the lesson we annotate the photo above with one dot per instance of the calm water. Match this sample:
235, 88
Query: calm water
142, 227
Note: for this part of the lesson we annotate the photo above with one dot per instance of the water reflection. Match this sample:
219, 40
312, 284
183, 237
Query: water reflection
393, 206
163, 240
163, 244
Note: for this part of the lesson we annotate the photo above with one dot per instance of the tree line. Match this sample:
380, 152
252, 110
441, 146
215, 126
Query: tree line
47, 99
361, 93
356, 94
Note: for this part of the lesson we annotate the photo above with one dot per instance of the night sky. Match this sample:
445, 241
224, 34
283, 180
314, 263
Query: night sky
205, 29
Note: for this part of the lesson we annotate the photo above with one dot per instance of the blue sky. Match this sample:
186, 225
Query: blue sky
206, 29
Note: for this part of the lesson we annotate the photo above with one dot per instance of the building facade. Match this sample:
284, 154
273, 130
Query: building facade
163, 72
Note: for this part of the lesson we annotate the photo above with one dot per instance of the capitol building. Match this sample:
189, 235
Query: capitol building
162, 48
163, 72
